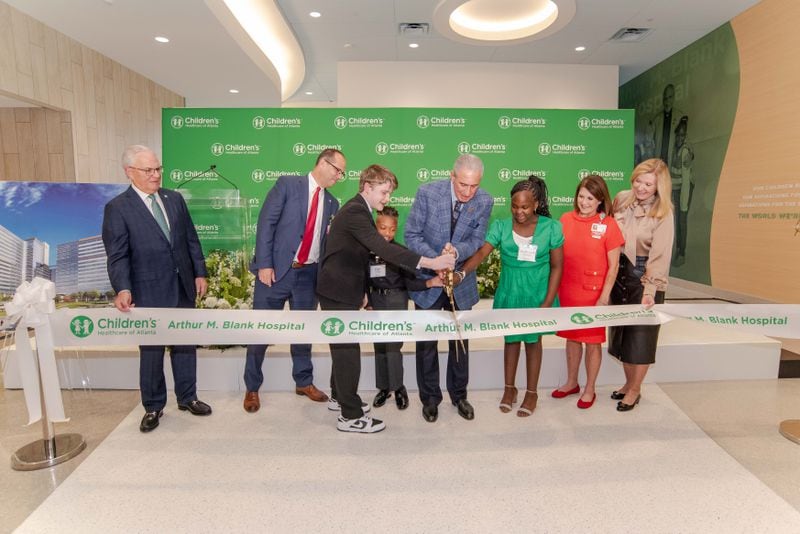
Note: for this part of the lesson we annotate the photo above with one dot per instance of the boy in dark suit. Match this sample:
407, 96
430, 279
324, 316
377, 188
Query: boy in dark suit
343, 282
388, 290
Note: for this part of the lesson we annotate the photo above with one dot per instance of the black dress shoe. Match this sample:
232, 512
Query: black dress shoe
430, 412
380, 398
196, 407
465, 409
616, 395
150, 421
401, 398
622, 407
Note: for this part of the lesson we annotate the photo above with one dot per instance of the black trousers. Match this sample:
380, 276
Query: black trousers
428, 365
389, 356
346, 368
183, 359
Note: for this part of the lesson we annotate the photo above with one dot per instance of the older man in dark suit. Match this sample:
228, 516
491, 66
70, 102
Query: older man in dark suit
343, 283
292, 228
449, 215
155, 260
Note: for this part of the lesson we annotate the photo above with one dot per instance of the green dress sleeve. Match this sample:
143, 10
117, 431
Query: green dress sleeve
556, 235
495, 234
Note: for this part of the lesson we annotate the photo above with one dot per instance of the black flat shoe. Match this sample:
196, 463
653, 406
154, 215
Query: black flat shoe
622, 407
401, 398
430, 412
465, 409
381, 397
616, 395
196, 407
150, 421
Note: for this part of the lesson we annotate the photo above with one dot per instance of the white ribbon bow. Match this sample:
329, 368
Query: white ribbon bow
33, 302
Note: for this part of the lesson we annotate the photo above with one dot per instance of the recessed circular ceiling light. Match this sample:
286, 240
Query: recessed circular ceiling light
501, 22
580, 48
233, 91
413, 45
315, 14
309, 93
161, 39
348, 45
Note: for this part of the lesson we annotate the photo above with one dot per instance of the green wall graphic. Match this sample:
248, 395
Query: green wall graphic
251, 148
704, 81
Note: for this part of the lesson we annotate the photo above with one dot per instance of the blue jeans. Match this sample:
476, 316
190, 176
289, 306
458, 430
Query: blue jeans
298, 286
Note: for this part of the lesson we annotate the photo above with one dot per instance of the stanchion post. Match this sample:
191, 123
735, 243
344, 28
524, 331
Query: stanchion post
52, 449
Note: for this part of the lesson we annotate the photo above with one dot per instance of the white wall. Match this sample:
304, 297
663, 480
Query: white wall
480, 85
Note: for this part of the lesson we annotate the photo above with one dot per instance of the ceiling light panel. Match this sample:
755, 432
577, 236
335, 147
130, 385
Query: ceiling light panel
264, 23
501, 22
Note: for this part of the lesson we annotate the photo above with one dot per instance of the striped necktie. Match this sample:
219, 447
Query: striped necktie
158, 213
454, 216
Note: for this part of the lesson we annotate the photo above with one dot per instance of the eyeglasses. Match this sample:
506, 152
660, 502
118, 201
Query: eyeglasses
150, 171
339, 171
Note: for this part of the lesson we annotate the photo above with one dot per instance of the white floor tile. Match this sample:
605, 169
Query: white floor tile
286, 468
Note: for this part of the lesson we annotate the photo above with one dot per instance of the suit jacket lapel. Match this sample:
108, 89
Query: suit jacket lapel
364, 204
302, 190
143, 212
172, 215
447, 210
327, 198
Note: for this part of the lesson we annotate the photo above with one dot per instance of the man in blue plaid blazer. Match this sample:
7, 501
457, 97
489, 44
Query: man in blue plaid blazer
448, 214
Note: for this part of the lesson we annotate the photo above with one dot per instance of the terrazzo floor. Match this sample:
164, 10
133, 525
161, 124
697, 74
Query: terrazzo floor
286, 469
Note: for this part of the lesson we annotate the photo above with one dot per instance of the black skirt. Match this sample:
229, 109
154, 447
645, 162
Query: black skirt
632, 343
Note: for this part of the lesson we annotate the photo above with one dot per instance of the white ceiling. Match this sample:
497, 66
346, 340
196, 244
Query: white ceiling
202, 61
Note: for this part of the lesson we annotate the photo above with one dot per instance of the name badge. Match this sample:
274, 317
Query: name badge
377, 271
527, 253
598, 230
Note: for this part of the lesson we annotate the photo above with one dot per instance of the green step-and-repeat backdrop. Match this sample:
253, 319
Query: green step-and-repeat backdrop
251, 148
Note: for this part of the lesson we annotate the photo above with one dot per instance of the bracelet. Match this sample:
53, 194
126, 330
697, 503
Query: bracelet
462, 274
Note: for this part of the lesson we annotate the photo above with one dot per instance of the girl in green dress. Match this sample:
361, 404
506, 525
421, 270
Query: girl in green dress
531, 264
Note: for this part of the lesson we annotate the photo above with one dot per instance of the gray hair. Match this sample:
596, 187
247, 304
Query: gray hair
468, 162
130, 154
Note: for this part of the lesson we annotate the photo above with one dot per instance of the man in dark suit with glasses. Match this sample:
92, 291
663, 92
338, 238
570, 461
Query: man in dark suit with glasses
290, 237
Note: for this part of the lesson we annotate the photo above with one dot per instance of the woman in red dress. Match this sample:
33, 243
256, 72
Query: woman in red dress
592, 245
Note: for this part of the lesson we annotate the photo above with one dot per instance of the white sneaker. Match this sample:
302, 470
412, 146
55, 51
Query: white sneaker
333, 405
364, 424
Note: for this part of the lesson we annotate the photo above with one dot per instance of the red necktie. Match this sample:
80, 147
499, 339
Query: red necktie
308, 235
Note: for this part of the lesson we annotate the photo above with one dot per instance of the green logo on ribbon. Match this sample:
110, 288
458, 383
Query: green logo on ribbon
332, 327
581, 318
81, 326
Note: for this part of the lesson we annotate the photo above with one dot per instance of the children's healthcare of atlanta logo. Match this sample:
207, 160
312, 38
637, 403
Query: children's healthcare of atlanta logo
580, 318
81, 326
332, 326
